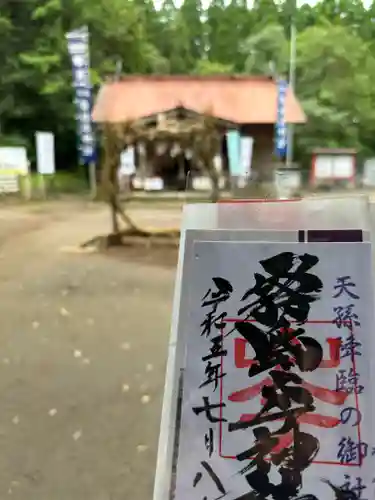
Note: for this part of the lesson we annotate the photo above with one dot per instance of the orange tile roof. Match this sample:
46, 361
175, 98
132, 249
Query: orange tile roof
239, 99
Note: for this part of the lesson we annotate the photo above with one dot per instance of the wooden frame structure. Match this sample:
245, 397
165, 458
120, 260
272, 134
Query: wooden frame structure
202, 134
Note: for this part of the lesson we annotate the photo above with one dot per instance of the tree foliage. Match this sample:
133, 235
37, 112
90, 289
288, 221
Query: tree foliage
335, 58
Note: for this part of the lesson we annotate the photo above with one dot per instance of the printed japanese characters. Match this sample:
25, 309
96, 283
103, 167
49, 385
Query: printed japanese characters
274, 402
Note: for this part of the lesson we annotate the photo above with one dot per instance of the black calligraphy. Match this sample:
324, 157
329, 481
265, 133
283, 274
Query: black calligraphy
277, 301
210, 472
349, 451
211, 328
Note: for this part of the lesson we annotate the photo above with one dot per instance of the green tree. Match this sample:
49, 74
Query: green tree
191, 13
336, 52
227, 26
265, 12
205, 67
335, 74
266, 51
37, 71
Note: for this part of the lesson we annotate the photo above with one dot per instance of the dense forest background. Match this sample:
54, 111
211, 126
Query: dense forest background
335, 59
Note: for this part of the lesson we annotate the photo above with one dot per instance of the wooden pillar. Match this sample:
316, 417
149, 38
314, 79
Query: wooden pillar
109, 173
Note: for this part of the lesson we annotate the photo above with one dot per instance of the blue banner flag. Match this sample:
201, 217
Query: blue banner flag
281, 127
78, 48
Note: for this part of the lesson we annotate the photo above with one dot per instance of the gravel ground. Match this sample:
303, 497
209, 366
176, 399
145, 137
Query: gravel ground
82, 360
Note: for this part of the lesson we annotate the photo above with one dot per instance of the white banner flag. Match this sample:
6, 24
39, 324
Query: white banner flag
277, 400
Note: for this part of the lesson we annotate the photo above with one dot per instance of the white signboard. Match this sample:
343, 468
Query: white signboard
369, 173
127, 162
277, 374
334, 167
13, 161
45, 152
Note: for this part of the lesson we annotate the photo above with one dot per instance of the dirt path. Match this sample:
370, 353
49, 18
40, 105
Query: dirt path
83, 344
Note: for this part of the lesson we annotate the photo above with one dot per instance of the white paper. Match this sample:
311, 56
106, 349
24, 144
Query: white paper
175, 150
168, 427
323, 167
45, 152
238, 262
206, 222
127, 162
343, 166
